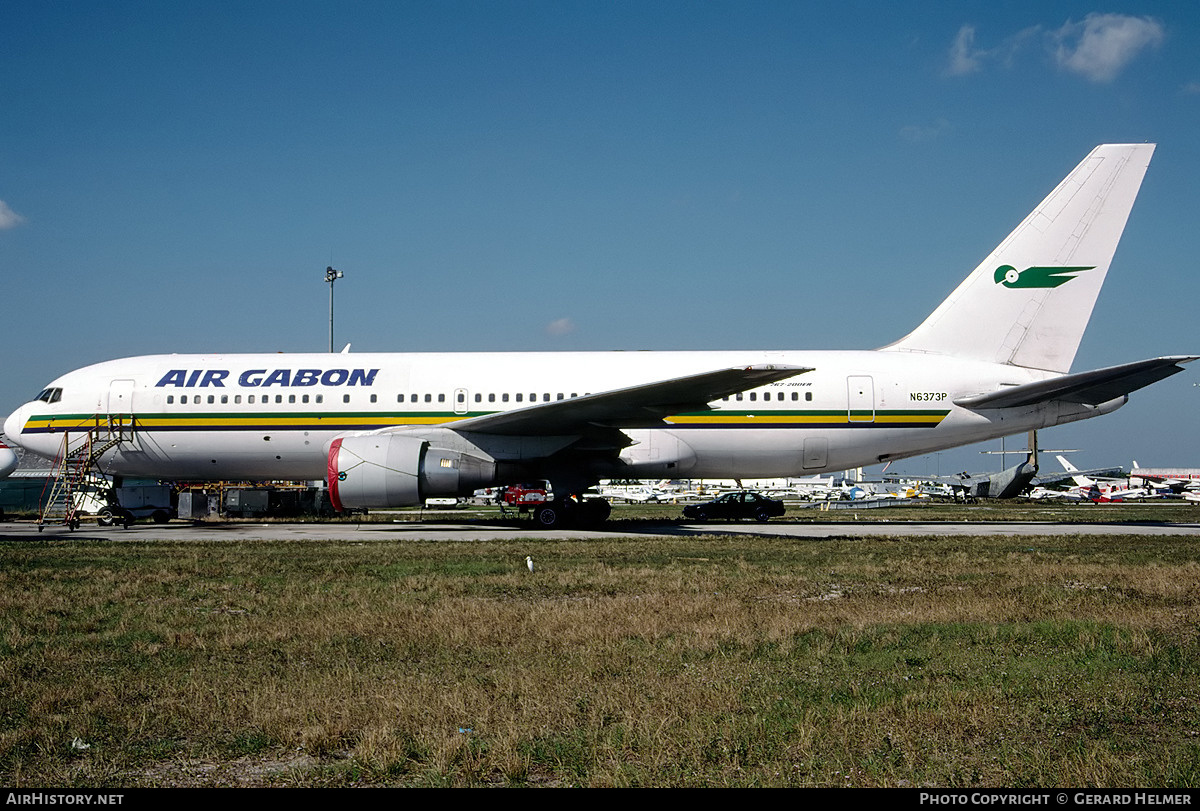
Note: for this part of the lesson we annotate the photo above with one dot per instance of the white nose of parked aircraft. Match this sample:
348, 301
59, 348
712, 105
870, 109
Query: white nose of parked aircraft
13, 425
47, 445
8, 460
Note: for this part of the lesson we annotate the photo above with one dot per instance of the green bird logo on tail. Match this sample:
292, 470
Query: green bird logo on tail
1009, 276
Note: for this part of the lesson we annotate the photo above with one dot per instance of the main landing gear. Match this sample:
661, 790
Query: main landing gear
572, 511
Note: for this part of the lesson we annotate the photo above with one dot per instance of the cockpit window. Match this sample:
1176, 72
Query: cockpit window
49, 395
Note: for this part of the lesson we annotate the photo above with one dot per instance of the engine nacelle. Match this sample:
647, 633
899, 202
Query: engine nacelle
397, 470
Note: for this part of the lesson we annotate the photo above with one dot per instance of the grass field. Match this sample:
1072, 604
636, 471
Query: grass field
686, 661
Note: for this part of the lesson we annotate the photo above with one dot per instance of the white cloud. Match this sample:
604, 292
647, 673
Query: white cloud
1098, 48
8, 217
1103, 44
917, 134
964, 58
560, 327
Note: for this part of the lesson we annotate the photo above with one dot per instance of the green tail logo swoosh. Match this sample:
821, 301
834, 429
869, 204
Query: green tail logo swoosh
1009, 276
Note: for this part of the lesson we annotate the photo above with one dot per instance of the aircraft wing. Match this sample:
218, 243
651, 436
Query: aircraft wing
642, 406
1092, 388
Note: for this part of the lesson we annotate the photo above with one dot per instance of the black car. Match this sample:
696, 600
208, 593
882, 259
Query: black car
742, 504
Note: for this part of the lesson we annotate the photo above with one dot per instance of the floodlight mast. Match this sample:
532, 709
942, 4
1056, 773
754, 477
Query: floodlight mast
331, 276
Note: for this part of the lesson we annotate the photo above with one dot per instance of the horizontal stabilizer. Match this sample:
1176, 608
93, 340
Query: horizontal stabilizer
642, 406
1090, 388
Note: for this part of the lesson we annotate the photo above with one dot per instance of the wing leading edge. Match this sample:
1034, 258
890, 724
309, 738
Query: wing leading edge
643, 406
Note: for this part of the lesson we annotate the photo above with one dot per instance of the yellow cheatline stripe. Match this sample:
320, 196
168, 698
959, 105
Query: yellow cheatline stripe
334, 421
924, 419
316, 422
167, 423
830, 419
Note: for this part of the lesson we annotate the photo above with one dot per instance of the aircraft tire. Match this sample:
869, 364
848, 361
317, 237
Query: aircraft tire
550, 516
568, 512
591, 512
598, 510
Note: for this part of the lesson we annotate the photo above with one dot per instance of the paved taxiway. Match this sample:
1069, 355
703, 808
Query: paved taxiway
468, 531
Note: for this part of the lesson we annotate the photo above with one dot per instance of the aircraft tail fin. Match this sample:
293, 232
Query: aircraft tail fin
1081, 480
1067, 466
1029, 301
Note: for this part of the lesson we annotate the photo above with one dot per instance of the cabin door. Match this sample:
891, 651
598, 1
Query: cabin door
861, 392
120, 406
120, 397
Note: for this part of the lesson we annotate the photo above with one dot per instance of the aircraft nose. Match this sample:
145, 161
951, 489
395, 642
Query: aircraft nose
13, 425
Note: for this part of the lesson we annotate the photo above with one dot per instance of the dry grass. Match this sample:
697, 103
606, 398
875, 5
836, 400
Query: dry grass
691, 661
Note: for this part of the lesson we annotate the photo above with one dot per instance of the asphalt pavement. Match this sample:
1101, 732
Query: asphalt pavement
445, 530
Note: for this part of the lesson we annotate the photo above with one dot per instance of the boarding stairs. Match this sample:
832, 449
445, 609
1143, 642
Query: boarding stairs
76, 468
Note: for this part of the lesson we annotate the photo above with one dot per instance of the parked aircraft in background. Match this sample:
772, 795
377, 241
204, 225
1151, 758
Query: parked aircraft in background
8, 460
635, 493
1008, 483
390, 430
1100, 491
1039, 493
1177, 480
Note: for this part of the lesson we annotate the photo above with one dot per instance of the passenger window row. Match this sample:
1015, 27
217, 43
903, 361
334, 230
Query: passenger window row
460, 398
780, 396
236, 399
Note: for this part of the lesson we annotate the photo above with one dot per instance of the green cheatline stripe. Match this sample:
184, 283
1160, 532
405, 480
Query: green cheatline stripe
328, 420
200, 421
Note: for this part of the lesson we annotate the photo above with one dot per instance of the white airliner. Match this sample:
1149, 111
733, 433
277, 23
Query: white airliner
390, 430
8, 460
1176, 480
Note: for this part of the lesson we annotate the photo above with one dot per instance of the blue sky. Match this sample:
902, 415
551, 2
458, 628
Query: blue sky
580, 175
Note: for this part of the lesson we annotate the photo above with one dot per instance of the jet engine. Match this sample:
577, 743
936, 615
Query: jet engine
399, 470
